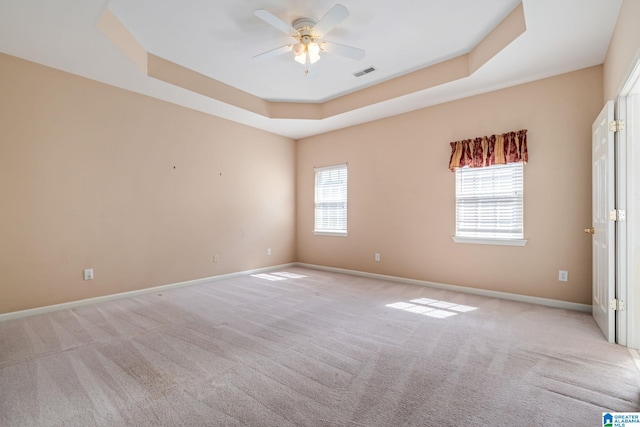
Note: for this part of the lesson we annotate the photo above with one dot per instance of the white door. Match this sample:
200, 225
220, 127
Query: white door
628, 198
603, 229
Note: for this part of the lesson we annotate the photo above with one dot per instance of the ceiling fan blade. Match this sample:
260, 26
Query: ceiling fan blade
342, 50
333, 17
274, 21
273, 53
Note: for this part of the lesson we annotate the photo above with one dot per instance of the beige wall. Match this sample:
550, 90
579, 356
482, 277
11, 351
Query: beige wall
401, 194
87, 179
624, 49
142, 191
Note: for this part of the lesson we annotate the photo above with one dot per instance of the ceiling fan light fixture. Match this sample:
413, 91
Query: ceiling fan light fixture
298, 49
300, 53
302, 58
313, 49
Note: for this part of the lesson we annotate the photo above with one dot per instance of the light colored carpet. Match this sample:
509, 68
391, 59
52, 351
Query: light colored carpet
321, 350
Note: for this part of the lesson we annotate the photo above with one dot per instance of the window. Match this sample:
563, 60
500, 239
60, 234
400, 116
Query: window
331, 200
489, 204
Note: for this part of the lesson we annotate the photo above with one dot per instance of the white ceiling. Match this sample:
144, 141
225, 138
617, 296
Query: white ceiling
219, 38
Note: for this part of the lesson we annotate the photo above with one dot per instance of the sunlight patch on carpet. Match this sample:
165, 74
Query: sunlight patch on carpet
432, 308
270, 277
289, 275
280, 275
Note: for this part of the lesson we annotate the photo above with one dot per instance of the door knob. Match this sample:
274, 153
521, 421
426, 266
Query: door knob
589, 230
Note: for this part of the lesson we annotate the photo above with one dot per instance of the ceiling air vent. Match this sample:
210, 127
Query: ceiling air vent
365, 71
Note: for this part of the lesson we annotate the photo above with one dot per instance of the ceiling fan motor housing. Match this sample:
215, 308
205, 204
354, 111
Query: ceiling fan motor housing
299, 24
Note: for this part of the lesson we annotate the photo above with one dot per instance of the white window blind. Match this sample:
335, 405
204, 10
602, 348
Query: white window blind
489, 202
331, 200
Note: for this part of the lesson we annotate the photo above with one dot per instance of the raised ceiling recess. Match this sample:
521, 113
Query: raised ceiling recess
306, 30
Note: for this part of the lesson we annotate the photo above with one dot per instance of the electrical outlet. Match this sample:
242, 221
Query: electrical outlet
563, 276
216, 258
88, 274
377, 256
269, 251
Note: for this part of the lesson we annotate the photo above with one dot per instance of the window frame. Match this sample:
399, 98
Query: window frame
344, 192
489, 240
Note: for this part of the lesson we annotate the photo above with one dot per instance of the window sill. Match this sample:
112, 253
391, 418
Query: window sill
331, 233
488, 241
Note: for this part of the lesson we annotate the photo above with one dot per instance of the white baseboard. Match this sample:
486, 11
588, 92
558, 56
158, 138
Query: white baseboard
129, 294
482, 292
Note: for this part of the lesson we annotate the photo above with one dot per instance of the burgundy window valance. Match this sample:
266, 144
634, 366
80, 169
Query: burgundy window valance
510, 147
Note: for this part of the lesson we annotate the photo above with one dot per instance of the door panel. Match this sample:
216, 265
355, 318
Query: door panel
603, 240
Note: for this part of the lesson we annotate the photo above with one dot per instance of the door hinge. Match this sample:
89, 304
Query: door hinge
616, 125
617, 215
617, 305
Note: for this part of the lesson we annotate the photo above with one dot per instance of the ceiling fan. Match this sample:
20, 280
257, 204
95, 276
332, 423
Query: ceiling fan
309, 36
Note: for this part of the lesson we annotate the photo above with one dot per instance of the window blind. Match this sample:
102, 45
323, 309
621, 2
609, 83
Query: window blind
489, 202
331, 200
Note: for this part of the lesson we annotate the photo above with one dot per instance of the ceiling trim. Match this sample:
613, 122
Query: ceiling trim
509, 29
